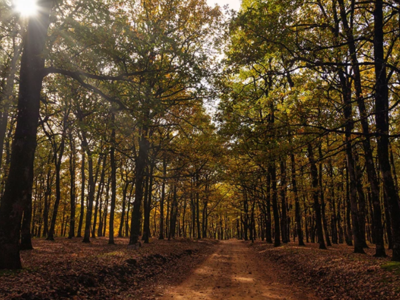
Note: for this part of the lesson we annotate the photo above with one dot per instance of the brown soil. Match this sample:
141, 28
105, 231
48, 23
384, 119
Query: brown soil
234, 271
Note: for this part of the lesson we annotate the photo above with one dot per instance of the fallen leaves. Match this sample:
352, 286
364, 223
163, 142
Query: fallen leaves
74, 270
337, 273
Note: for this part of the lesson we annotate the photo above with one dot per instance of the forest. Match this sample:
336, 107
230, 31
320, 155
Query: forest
145, 123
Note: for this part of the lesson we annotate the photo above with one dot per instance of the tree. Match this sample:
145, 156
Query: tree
18, 190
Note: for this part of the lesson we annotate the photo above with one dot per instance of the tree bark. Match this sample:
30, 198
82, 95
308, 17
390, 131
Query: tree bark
268, 225
347, 112
297, 202
26, 237
113, 184
98, 196
124, 193
348, 230
272, 172
103, 220
141, 162
146, 230
163, 199
382, 127
72, 166
174, 212
57, 161
322, 195
366, 140
284, 227
317, 208
82, 211
18, 189
47, 198
89, 210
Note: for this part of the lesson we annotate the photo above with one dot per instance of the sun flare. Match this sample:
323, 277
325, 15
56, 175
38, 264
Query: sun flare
26, 7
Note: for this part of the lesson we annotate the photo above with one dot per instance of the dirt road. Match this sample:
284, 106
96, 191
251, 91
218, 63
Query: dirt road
235, 272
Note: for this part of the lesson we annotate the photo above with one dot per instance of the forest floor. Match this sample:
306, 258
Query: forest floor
206, 269
70, 269
336, 273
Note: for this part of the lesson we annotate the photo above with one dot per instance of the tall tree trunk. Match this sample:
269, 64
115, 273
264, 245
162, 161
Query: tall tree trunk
18, 189
168, 217
26, 237
246, 215
82, 211
193, 207
388, 223
148, 204
98, 196
382, 127
358, 241
341, 200
268, 235
89, 210
348, 230
174, 212
317, 208
145, 199
184, 225
41, 204
113, 183
128, 211
253, 234
141, 162
205, 204
333, 204
36, 203
272, 172
361, 201
47, 198
124, 192
163, 199
393, 167
103, 220
306, 219
372, 176
284, 227
198, 205
101, 201
72, 166
322, 194
347, 111
297, 202
58, 161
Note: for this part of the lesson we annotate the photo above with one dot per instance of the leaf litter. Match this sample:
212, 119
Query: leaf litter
336, 273
70, 269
